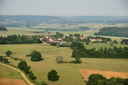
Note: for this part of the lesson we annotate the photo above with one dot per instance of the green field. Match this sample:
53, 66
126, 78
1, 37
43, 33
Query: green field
69, 73
6, 72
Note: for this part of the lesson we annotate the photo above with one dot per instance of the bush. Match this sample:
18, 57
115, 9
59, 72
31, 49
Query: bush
59, 59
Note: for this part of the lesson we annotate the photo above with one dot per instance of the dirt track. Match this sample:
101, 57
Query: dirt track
26, 79
108, 74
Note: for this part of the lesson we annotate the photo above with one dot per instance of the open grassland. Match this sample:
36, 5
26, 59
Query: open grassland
6, 72
68, 72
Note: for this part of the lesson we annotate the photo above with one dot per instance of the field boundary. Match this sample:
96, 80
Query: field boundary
108, 74
23, 75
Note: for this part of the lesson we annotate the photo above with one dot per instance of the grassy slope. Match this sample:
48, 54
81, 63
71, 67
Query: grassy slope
6, 72
69, 73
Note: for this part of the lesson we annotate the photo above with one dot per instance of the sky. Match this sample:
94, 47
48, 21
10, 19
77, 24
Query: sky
64, 7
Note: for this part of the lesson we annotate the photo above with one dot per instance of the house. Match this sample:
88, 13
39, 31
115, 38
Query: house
82, 38
50, 38
60, 39
95, 40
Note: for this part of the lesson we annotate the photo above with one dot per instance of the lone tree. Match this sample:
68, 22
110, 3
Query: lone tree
52, 76
36, 56
8, 53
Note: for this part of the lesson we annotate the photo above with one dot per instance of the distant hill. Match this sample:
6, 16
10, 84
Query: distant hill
113, 31
27, 20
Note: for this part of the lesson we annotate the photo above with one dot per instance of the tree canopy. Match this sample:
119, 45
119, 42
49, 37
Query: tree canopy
113, 31
8, 53
36, 56
52, 76
98, 79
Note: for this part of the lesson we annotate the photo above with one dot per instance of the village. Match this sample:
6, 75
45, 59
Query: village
60, 39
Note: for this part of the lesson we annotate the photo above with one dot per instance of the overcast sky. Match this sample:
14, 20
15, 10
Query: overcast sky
64, 7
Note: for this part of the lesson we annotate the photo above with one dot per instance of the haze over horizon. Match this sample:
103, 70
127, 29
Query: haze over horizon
64, 7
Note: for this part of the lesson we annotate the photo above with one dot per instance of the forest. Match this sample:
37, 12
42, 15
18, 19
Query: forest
113, 31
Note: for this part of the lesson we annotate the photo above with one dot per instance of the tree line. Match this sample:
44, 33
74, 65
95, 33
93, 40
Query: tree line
124, 41
20, 39
115, 52
113, 31
3, 28
98, 79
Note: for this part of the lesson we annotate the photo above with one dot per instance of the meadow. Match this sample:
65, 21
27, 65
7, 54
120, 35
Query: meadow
6, 72
68, 72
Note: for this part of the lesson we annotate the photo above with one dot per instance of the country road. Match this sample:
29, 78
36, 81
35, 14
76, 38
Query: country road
25, 78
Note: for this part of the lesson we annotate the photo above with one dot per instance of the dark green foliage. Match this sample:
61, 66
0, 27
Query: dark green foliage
1, 58
94, 79
113, 31
77, 59
5, 60
115, 42
124, 41
52, 76
3, 28
76, 35
22, 65
126, 81
27, 69
20, 39
98, 79
36, 56
8, 53
31, 76
68, 39
58, 35
77, 45
102, 53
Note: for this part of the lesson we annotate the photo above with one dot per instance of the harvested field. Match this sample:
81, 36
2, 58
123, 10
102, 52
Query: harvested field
9, 81
108, 74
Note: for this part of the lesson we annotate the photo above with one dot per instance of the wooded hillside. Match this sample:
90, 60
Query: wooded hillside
113, 31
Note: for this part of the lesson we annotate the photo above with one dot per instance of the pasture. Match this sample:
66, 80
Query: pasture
68, 72
6, 72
